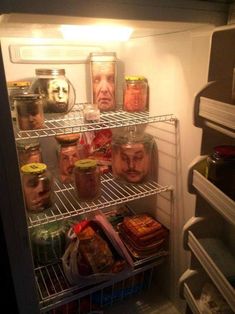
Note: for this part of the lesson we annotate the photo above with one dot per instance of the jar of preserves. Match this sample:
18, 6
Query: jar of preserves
103, 80
135, 94
48, 242
221, 169
37, 187
67, 154
29, 111
29, 151
87, 179
57, 91
134, 157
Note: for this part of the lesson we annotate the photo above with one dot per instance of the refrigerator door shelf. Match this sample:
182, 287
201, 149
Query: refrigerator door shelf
209, 260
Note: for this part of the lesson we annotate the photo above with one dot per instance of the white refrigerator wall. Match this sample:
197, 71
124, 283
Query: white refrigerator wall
176, 66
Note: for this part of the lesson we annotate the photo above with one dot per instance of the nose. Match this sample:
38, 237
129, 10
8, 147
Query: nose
60, 94
103, 85
131, 164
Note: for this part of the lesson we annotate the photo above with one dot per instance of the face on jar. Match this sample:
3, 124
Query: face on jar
58, 91
68, 157
131, 162
103, 77
30, 117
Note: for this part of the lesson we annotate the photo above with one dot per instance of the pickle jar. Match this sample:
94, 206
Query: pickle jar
29, 151
29, 111
103, 80
67, 154
48, 242
135, 94
87, 179
37, 187
221, 169
134, 157
57, 91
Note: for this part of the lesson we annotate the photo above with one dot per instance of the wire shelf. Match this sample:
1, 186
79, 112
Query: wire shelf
67, 204
73, 123
54, 289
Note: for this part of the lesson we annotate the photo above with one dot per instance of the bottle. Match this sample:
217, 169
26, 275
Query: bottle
87, 179
103, 80
29, 111
135, 94
29, 151
37, 187
57, 91
221, 169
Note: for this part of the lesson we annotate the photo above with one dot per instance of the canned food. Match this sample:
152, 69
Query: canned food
29, 151
135, 94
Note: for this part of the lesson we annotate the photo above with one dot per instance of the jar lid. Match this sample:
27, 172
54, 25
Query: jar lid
34, 168
67, 138
53, 72
27, 96
27, 144
135, 78
18, 84
85, 164
225, 150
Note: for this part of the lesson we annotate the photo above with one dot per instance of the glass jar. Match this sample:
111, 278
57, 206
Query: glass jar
29, 111
87, 179
103, 80
37, 187
68, 154
221, 169
135, 94
48, 242
134, 157
91, 113
29, 151
57, 91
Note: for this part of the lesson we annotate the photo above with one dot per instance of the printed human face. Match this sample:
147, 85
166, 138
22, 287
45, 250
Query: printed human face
68, 157
32, 121
58, 91
131, 162
103, 76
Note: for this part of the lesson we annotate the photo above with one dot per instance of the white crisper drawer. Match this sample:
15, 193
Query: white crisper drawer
217, 261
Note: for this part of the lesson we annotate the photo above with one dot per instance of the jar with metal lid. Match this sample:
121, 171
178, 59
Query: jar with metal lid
87, 179
135, 94
67, 153
221, 169
133, 156
29, 111
48, 242
37, 187
29, 151
57, 91
103, 80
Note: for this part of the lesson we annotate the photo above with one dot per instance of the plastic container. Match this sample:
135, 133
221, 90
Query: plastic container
57, 91
29, 111
87, 179
103, 80
221, 169
29, 151
135, 94
37, 187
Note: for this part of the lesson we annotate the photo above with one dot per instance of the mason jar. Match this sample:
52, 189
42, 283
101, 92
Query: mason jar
87, 179
29, 151
57, 91
103, 80
37, 187
29, 111
221, 169
135, 94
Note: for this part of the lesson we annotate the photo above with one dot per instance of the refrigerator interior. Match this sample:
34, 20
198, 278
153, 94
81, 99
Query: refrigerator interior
174, 57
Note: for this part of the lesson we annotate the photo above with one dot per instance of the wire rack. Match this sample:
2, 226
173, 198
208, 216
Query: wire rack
73, 122
67, 205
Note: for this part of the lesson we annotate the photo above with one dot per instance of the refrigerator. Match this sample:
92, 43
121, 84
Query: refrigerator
185, 50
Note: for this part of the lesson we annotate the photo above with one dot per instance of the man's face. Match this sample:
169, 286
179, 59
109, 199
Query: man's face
30, 119
58, 91
131, 162
103, 76
68, 157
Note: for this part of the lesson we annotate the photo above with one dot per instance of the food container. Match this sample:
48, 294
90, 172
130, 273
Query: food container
68, 154
135, 94
48, 242
133, 156
87, 179
29, 111
57, 91
103, 80
91, 113
221, 169
37, 187
29, 151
